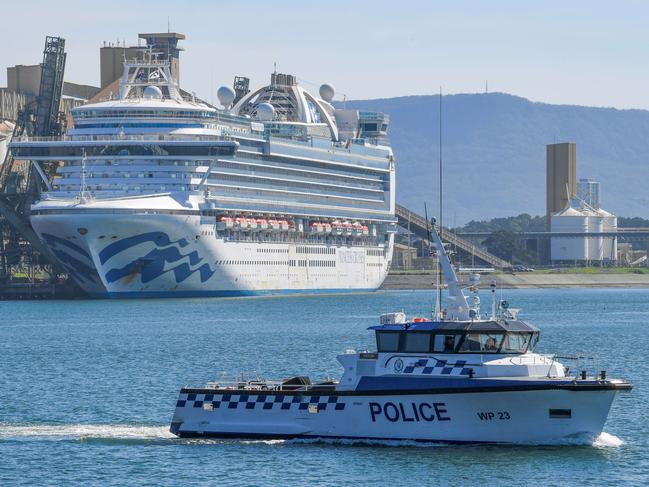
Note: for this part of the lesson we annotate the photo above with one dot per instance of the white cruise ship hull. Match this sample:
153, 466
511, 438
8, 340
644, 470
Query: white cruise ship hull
157, 255
534, 416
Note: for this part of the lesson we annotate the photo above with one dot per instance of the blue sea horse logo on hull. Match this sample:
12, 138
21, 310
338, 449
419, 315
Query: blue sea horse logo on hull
152, 265
74, 259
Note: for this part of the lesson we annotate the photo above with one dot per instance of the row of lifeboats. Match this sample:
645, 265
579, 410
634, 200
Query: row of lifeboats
340, 228
253, 224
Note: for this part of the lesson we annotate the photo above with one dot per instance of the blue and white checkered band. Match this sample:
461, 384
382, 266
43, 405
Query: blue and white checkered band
259, 401
436, 367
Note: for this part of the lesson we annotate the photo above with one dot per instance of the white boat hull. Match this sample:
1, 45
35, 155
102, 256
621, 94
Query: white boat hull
467, 417
140, 255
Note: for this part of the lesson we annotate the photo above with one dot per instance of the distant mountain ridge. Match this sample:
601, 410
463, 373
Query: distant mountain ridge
494, 152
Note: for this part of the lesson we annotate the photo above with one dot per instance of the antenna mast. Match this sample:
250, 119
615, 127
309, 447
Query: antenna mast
439, 288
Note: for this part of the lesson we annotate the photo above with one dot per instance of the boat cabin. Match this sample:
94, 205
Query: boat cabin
496, 337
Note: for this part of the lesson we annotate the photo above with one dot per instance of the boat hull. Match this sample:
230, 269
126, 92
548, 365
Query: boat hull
146, 255
512, 416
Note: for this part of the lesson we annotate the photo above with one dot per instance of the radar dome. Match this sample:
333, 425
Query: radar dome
152, 92
265, 112
226, 96
327, 92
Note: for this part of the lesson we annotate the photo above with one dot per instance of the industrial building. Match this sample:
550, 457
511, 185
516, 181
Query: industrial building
112, 55
561, 177
588, 192
574, 208
589, 248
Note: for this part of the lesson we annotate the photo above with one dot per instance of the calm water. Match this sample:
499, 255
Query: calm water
87, 389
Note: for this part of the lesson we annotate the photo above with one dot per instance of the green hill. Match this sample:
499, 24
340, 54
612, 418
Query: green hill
494, 152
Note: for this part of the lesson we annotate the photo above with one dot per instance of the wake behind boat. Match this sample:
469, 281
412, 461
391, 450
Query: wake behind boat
459, 377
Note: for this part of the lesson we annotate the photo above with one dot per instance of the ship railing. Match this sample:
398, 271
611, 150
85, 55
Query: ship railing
260, 384
579, 365
125, 137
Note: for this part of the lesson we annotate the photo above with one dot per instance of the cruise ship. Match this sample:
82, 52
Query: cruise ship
158, 194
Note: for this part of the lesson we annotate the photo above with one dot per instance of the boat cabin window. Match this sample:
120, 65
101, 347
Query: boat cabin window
417, 342
535, 340
387, 341
446, 343
481, 342
516, 342
455, 342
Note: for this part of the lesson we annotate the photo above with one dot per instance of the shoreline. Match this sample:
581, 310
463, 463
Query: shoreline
530, 280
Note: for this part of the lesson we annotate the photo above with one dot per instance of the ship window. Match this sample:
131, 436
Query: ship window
481, 342
417, 342
535, 341
446, 343
516, 342
387, 341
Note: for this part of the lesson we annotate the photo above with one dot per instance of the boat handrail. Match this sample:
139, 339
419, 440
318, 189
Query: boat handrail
251, 385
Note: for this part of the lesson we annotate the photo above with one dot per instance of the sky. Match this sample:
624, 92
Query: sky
566, 52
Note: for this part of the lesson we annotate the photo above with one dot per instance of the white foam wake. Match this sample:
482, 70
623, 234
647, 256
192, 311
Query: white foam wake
152, 433
608, 440
84, 431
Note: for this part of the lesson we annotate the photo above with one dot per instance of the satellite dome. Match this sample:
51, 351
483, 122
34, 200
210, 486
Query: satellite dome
226, 96
151, 92
265, 112
327, 92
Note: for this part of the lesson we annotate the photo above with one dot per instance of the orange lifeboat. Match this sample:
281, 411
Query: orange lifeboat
225, 223
262, 224
317, 227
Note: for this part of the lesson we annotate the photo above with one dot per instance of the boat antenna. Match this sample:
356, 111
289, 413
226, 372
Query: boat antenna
439, 270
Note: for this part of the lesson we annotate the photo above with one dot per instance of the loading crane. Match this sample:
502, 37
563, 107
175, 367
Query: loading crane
20, 247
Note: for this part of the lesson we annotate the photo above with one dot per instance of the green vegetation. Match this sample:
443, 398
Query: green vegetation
515, 224
632, 222
508, 246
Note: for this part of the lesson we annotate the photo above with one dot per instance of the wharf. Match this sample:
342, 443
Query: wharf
528, 280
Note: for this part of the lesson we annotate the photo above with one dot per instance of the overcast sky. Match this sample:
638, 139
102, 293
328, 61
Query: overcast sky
574, 52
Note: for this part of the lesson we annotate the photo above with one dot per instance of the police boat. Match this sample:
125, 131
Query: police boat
457, 377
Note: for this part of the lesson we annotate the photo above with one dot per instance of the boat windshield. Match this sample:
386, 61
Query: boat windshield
482, 342
456, 342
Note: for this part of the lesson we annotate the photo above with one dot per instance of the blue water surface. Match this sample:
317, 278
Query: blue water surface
87, 389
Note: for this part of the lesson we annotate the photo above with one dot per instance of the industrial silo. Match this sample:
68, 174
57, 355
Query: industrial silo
595, 244
569, 248
609, 246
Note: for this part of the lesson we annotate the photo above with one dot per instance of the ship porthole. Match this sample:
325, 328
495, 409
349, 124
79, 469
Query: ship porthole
82, 231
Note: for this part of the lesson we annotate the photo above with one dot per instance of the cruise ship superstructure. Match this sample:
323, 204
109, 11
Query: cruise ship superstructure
159, 194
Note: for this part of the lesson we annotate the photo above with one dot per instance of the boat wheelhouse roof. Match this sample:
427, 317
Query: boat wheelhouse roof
491, 326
